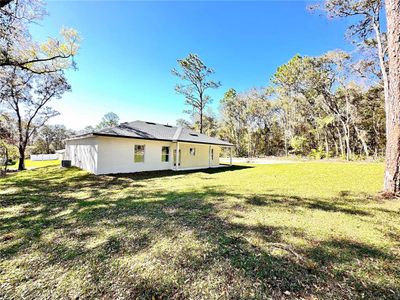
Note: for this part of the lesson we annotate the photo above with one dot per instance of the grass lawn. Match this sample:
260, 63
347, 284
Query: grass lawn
30, 164
310, 230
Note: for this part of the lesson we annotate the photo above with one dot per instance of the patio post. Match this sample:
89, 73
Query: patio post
177, 156
230, 156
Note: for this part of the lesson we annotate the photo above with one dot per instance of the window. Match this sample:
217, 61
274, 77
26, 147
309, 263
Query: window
192, 151
165, 154
139, 153
212, 154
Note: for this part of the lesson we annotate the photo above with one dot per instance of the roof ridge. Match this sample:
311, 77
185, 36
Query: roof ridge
151, 122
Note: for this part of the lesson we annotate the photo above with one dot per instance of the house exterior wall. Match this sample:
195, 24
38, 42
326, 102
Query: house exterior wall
116, 155
201, 157
110, 155
83, 153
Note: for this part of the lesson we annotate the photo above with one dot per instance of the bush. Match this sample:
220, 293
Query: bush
320, 153
298, 144
316, 154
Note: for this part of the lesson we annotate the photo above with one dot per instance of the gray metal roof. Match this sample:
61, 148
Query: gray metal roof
154, 131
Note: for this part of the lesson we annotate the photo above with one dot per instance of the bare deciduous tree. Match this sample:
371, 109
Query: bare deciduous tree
18, 49
26, 96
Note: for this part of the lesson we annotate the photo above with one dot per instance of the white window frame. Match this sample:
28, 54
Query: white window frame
167, 155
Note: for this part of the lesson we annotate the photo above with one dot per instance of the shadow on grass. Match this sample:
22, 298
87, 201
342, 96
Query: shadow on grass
327, 205
144, 218
170, 173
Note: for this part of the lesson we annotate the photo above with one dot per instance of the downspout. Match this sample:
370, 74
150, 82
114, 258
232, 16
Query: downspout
209, 156
175, 139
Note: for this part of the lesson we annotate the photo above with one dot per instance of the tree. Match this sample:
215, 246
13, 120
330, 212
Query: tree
234, 127
18, 49
196, 75
249, 120
184, 123
7, 152
87, 129
368, 29
109, 120
26, 96
7, 130
392, 172
7, 149
263, 125
210, 123
319, 99
51, 138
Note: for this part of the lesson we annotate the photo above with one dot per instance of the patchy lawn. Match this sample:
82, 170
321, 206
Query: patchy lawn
280, 231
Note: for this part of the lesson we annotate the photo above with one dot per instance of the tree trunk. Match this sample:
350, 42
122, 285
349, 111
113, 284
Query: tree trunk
6, 164
347, 140
326, 146
201, 120
362, 140
21, 161
286, 147
249, 144
392, 102
340, 141
4, 171
336, 148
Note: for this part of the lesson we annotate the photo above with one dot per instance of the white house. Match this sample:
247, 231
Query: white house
143, 146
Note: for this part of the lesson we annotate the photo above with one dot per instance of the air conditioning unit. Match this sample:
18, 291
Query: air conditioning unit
66, 163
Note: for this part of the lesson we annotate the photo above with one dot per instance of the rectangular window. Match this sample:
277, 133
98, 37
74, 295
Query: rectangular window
139, 153
212, 154
165, 154
192, 151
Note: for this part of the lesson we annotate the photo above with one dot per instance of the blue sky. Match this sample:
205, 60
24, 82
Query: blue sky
129, 48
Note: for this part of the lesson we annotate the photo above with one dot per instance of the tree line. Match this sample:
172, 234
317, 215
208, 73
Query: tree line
321, 107
314, 106
334, 105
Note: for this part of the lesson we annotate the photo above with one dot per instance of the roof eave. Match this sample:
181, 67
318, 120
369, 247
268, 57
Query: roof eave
155, 139
82, 136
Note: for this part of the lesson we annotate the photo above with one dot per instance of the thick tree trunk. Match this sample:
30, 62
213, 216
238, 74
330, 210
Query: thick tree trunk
21, 161
392, 102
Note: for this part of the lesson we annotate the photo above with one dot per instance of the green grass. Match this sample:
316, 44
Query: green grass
30, 164
304, 230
